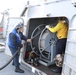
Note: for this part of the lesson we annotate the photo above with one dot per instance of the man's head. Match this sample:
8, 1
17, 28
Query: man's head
19, 27
62, 19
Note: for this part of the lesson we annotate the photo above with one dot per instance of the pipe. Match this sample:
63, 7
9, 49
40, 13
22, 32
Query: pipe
22, 14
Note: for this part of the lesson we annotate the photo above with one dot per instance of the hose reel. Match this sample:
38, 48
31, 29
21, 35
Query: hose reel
44, 42
35, 38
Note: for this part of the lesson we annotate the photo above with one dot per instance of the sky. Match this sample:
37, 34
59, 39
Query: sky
4, 4
15, 6
8, 4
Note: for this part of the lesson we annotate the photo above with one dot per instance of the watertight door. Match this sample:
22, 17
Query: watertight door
69, 65
12, 22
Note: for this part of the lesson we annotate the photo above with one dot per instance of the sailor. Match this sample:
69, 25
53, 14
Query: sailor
61, 30
14, 42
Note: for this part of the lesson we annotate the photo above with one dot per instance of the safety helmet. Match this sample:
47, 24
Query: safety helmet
20, 25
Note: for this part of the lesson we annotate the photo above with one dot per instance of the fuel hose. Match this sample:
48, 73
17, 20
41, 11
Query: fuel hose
10, 59
15, 55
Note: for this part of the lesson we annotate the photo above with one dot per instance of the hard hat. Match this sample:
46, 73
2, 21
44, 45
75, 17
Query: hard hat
20, 25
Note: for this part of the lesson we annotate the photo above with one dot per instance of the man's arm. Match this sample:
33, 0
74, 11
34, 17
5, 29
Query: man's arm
56, 28
23, 37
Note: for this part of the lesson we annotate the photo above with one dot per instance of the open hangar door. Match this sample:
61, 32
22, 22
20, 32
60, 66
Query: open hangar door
42, 38
43, 43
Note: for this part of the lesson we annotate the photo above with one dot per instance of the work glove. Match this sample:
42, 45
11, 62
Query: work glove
47, 26
28, 40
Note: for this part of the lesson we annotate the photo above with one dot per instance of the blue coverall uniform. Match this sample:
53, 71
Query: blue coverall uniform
14, 42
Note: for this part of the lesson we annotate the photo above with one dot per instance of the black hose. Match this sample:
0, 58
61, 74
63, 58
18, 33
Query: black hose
10, 59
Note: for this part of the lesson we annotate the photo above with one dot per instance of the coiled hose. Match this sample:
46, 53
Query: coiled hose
15, 55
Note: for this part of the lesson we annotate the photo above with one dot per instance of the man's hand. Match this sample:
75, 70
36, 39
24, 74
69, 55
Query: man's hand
47, 26
23, 45
28, 40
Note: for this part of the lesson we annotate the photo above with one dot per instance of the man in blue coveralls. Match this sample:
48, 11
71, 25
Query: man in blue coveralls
14, 42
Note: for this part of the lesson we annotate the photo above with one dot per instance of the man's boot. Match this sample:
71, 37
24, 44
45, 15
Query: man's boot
57, 69
19, 70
